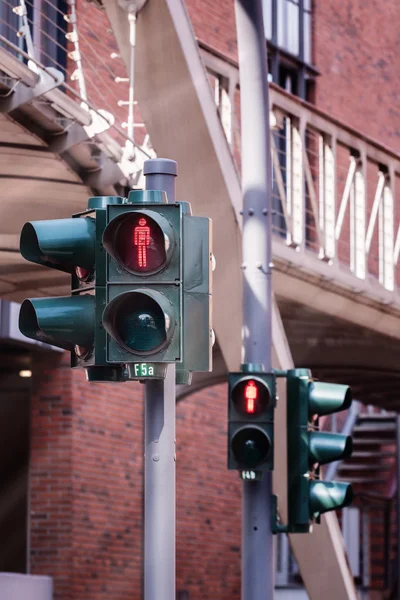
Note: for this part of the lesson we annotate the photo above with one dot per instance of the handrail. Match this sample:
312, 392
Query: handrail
37, 59
347, 429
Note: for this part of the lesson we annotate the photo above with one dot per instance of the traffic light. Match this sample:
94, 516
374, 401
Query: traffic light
251, 403
158, 291
140, 287
309, 448
143, 242
66, 245
72, 322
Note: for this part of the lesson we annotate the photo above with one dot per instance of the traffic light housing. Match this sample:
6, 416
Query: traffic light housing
72, 322
308, 449
143, 243
140, 287
67, 245
251, 404
158, 283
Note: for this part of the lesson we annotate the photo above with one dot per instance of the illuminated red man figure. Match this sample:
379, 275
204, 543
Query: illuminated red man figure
250, 393
141, 239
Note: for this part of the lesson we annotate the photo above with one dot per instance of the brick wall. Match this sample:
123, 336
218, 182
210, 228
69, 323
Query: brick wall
86, 455
86, 484
86, 493
359, 65
208, 500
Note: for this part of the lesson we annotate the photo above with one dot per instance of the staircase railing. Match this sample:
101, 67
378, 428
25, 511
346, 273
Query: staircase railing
334, 189
45, 34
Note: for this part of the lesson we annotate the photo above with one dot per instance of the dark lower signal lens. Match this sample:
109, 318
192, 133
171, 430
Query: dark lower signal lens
140, 323
250, 447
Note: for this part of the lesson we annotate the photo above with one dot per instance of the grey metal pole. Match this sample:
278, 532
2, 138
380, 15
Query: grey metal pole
159, 442
257, 539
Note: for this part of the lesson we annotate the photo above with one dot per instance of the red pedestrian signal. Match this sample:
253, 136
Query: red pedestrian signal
142, 242
250, 394
141, 239
251, 406
251, 397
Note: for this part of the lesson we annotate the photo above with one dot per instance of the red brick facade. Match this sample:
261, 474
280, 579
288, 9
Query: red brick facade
86, 484
87, 439
86, 478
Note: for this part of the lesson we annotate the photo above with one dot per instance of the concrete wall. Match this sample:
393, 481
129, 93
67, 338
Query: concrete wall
25, 587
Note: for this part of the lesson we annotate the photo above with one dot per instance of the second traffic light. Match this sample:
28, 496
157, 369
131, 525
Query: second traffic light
251, 403
309, 448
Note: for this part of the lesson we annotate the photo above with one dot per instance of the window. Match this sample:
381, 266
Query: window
46, 29
288, 31
48, 26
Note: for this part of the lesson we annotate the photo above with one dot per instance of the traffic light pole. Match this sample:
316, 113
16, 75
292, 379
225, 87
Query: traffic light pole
159, 447
257, 540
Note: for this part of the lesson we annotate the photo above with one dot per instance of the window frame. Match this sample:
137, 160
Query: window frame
281, 57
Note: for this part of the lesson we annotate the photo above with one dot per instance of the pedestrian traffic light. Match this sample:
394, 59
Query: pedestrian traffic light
66, 245
72, 322
140, 287
143, 242
251, 403
309, 448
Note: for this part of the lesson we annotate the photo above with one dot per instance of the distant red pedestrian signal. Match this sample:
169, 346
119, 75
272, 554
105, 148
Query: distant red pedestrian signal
250, 394
251, 404
251, 397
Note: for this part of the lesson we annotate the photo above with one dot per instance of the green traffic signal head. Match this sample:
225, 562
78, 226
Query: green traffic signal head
325, 447
141, 241
140, 320
327, 398
250, 447
64, 244
65, 322
328, 495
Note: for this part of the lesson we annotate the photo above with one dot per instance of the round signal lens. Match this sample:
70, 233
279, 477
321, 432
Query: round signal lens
251, 397
250, 447
140, 324
140, 244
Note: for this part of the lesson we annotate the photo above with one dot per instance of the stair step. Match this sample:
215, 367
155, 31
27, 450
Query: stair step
372, 441
376, 455
390, 417
351, 467
375, 427
362, 480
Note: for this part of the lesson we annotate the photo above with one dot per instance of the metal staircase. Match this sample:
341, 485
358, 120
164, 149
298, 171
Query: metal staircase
371, 470
374, 451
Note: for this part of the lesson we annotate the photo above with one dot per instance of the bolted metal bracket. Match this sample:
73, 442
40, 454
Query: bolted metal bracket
276, 525
22, 94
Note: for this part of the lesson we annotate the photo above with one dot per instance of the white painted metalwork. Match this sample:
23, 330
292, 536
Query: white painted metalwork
386, 240
345, 197
73, 37
44, 44
297, 179
375, 207
351, 536
328, 200
357, 226
338, 211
